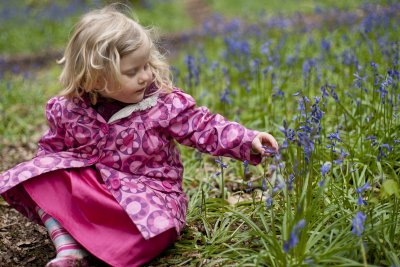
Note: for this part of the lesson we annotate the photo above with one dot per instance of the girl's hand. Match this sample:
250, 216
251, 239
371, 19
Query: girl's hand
263, 140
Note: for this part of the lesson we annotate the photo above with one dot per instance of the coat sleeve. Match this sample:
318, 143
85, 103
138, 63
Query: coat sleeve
53, 139
210, 133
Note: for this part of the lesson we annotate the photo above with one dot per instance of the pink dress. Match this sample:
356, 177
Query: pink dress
116, 183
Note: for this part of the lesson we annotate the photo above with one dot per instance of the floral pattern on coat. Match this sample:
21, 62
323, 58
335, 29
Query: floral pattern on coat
136, 155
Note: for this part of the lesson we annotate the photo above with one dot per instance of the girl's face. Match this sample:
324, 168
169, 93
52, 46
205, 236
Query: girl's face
136, 76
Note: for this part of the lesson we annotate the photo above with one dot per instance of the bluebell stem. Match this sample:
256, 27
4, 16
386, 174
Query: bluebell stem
294, 236
358, 223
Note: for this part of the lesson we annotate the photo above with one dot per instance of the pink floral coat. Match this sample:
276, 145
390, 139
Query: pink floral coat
135, 152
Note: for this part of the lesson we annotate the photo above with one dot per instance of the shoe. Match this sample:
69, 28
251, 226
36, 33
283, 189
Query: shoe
68, 261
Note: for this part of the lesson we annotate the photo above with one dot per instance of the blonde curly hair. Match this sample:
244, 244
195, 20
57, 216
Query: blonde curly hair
99, 40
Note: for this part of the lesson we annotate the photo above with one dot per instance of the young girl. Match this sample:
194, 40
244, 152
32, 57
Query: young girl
107, 178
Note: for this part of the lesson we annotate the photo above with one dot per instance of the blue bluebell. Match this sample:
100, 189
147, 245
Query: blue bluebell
358, 223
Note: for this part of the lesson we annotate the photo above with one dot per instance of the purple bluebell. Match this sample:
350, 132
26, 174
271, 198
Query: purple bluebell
264, 184
220, 163
268, 202
269, 150
279, 185
294, 236
272, 167
246, 167
290, 182
321, 183
360, 201
335, 136
325, 168
307, 143
373, 140
381, 151
278, 93
358, 223
226, 96
249, 187
326, 45
363, 188
265, 48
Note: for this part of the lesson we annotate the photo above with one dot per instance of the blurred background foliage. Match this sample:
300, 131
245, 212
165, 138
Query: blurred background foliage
28, 26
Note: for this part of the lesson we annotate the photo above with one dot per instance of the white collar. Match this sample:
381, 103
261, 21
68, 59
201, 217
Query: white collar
128, 110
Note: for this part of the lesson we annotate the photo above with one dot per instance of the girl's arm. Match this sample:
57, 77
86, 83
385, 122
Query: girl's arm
54, 138
212, 133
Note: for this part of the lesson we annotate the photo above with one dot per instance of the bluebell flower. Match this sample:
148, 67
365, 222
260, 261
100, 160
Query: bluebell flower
325, 168
269, 150
225, 96
278, 93
326, 45
333, 93
363, 188
321, 183
246, 166
290, 182
294, 236
265, 48
335, 136
372, 138
264, 184
358, 223
272, 167
216, 174
278, 186
268, 202
337, 161
249, 187
381, 151
360, 201
220, 163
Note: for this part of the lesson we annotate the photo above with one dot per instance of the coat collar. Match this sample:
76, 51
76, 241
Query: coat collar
81, 106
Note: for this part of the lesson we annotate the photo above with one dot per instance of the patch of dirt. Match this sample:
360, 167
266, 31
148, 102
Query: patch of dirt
22, 242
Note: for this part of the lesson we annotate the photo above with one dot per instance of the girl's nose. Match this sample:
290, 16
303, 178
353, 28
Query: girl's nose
145, 76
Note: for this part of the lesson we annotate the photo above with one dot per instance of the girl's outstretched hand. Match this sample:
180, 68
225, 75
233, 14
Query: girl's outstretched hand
265, 144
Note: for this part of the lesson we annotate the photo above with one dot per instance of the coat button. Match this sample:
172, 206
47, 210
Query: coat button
115, 184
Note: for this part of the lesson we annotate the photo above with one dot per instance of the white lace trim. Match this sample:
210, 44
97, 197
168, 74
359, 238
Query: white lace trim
128, 110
